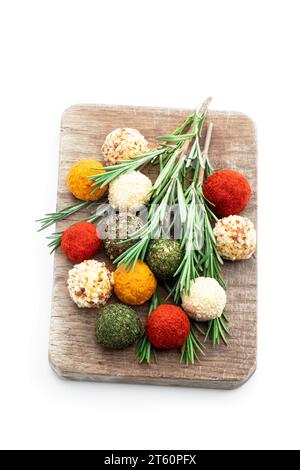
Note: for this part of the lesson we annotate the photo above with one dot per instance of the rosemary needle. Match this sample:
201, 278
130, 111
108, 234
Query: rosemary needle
54, 217
144, 349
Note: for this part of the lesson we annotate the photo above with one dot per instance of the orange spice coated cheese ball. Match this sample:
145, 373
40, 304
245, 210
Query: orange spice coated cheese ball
136, 286
79, 183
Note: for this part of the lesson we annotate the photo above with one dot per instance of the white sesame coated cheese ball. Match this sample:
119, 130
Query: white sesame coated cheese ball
90, 284
235, 237
129, 192
206, 300
123, 144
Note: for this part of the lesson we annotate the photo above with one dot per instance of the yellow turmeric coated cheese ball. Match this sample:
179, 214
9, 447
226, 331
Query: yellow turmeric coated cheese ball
136, 286
80, 184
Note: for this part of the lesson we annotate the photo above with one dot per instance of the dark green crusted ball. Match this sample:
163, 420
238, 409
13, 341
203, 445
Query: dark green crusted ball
164, 257
118, 326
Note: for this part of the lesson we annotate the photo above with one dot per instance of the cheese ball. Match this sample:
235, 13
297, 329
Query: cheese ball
117, 326
167, 327
235, 237
79, 183
117, 228
80, 242
136, 286
123, 144
90, 284
206, 300
228, 191
129, 192
164, 257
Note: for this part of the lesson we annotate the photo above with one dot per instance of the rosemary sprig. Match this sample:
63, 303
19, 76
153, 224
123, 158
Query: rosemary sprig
168, 188
217, 330
55, 241
144, 349
192, 346
191, 243
153, 228
210, 261
198, 242
114, 171
193, 224
54, 217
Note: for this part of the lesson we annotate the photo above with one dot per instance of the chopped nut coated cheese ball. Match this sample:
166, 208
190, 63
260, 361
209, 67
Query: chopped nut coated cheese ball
90, 284
236, 237
123, 144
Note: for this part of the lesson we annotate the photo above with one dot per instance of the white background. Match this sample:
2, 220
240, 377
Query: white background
164, 53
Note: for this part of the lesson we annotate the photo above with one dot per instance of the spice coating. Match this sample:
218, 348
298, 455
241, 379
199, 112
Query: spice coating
117, 326
79, 183
164, 257
167, 327
123, 144
228, 191
80, 242
136, 286
118, 228
235, 237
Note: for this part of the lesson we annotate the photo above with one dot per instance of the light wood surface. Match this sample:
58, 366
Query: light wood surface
73, 350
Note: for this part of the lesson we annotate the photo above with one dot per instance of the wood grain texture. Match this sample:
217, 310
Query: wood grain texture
73, 350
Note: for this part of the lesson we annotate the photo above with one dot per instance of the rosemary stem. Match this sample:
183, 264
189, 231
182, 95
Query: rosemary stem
205, 152
203, 107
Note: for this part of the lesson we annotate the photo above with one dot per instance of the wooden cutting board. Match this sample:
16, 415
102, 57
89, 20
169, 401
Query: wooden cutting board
73, 350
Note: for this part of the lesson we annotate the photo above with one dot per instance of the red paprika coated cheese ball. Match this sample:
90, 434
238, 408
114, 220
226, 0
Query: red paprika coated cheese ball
228, 191
80, 242
167, 327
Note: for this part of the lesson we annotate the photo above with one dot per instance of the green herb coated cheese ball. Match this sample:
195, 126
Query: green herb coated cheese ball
164, 257
117, 326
